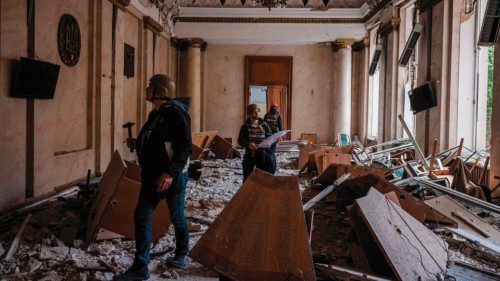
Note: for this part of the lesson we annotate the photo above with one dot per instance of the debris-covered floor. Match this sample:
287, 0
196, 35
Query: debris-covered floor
48, 249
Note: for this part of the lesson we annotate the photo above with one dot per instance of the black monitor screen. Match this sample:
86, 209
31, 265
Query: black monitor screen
422, 98
35, 79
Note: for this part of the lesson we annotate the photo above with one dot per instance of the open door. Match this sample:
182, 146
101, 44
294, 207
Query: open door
268, 80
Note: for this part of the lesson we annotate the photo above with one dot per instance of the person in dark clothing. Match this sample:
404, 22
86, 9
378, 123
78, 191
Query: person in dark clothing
253, 132
163, 150
273, 119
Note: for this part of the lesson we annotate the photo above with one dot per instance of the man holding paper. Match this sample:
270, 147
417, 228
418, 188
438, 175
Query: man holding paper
252, 133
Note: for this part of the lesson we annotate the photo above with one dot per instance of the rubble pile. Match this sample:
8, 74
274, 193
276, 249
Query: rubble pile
48, 241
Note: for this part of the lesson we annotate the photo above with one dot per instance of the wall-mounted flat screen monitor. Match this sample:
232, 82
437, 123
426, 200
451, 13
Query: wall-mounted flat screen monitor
35, 79
422, 98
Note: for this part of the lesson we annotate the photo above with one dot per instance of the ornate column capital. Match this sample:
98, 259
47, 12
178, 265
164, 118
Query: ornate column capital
343, 43
180, 44
122, 4
152, 25
183, 44
389, 26
198, 43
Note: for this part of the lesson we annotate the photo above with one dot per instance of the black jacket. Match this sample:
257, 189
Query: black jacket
246, 136
167, 128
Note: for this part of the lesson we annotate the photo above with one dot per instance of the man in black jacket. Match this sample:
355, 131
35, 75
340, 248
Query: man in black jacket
163, 149
253, 132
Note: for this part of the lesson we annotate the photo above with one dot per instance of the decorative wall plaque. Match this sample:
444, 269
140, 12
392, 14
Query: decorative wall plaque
128, 60
69, 40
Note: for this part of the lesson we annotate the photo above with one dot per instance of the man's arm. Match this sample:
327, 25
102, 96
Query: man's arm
243, 137
279, 123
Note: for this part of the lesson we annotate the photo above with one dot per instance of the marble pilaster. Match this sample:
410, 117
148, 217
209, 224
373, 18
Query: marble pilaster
341, 101
391, 91
437, 64
193, 81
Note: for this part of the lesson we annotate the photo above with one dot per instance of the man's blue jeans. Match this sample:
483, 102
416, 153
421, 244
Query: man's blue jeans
148, 200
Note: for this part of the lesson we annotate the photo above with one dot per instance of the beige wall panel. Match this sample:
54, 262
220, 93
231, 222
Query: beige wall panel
119, 94
130, 91
13, 112
103, 84
311, 87
162, 46
61, 123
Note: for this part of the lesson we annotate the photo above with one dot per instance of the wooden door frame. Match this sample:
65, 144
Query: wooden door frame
288, 60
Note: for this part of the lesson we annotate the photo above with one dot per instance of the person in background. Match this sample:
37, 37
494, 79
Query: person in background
163, 150
273, 119
253, 132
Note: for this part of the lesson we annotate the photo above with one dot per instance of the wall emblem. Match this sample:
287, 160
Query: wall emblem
69, 40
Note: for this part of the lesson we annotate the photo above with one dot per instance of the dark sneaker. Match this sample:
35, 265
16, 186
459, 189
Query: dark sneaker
136, 272
177, 262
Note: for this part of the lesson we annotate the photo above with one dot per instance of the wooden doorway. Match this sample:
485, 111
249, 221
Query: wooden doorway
268, 80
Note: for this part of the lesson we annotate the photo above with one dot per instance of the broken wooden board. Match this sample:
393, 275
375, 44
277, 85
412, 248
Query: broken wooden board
201, 142
104, 234
203, 139
17, 239
358, 187
196, 153
316, 157
331, 157
447, 206
412, 251
222, 148
261, 233
304, 155
334, 171
113, 206
112, 176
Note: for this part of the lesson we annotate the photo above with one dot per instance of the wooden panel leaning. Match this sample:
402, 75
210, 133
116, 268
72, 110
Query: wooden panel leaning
113, 206
261, 233
393, 240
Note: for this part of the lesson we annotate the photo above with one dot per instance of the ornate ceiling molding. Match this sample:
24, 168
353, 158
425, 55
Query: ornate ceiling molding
270, 20
315, 4
152, 25
376, 9
191, 12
